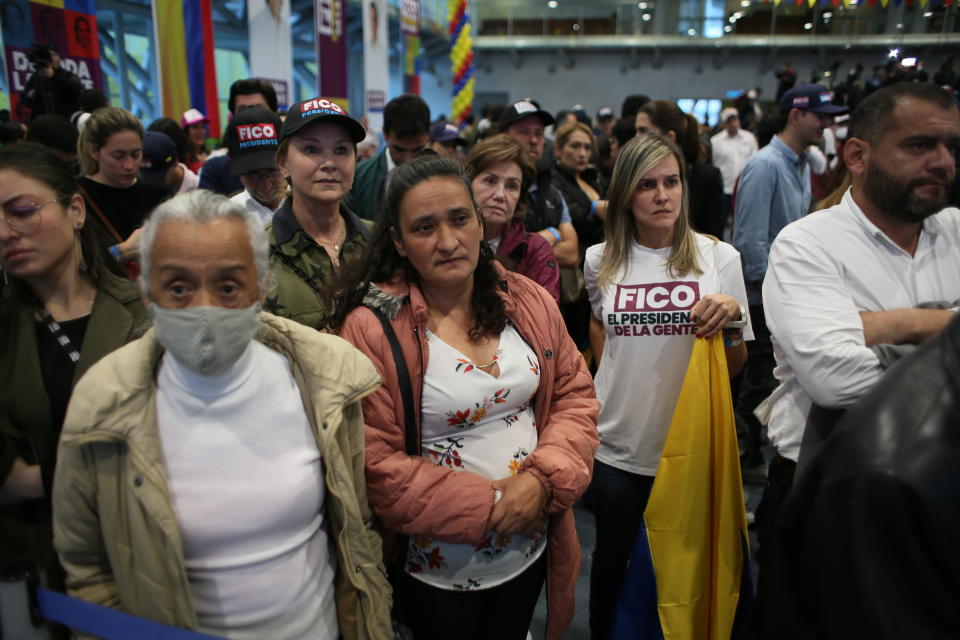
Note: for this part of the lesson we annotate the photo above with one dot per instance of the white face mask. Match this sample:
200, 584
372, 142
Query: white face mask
206, 340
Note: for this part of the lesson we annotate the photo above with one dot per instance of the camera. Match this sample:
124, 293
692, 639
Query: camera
40, 56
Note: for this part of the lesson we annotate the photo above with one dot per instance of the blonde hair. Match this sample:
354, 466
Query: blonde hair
102, 124
567, 130
637, 158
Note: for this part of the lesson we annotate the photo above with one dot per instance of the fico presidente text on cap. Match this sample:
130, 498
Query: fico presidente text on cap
317, 109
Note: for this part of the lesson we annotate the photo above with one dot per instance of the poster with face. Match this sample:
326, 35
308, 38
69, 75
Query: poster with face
70, 29
376, 78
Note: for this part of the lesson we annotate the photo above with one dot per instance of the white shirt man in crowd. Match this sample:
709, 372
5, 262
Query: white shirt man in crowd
731, 147
852, 276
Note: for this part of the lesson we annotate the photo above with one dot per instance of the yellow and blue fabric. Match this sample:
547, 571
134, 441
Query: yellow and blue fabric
187, 71
461, 57
689, 575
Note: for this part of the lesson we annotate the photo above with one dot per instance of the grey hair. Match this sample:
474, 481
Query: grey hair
199, 207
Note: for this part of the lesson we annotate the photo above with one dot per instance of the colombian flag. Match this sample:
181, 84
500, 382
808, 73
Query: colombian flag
188, 75
689, 577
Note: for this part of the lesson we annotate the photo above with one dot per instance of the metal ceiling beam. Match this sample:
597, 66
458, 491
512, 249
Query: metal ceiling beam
493, 43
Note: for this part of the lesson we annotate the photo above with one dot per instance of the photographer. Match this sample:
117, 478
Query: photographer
51, 89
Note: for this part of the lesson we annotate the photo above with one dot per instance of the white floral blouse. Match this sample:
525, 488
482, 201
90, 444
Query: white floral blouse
474, 422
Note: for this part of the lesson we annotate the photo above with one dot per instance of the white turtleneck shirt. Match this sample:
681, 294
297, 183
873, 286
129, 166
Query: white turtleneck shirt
246, 483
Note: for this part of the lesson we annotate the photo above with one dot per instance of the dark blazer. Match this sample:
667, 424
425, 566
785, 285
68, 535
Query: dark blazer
866, 544
26, 428
365, 199
705, 199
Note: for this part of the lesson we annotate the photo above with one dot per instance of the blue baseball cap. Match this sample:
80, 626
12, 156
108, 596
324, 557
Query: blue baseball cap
303, 113
810, 97
446, 132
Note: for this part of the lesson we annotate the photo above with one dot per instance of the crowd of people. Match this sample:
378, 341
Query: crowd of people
330, 382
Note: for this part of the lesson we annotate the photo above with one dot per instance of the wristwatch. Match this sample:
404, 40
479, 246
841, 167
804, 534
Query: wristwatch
739, 322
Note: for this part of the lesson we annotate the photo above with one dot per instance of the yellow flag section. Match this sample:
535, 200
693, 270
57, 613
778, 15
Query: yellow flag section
695, 520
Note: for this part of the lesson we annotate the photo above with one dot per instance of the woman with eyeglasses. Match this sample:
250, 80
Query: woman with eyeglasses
63, 307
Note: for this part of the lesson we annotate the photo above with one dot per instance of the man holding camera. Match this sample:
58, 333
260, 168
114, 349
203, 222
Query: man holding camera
51, 88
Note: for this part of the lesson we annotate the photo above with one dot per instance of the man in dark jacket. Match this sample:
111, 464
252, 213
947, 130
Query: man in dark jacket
866, 545
546, 212
406, 130
51, 88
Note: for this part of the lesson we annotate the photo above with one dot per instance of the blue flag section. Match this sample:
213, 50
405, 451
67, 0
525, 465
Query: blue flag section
689, 575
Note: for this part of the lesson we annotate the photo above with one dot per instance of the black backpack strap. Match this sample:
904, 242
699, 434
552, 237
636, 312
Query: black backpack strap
403, 379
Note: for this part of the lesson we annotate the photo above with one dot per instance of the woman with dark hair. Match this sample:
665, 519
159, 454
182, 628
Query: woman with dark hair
705, 194
62, 309
502, 171
313, 232
651, 261
483, 467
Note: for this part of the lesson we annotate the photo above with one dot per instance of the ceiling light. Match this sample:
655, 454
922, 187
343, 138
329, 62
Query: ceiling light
894, 53
552, 4
727, 28
641, 5
646, 17
827, 15
808, 26
691, 32
928, 14
744, 3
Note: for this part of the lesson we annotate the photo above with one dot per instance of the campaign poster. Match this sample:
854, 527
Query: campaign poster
332, 51
376, 62
271, 56
69, 25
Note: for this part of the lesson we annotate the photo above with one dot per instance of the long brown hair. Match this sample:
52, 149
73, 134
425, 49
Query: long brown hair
635, 161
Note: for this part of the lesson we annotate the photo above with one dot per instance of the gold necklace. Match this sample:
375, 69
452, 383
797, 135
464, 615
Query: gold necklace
336, 244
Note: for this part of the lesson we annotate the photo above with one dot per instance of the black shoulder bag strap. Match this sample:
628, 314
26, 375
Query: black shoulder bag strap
395, 569
403, 379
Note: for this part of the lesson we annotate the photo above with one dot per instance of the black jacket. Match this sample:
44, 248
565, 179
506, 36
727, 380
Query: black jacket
59, 93
867, 544
589, 228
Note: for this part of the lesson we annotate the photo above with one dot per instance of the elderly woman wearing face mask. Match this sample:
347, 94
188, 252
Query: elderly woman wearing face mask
183, 495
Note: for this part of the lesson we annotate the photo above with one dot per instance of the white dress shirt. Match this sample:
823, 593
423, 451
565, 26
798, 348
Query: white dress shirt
730, 155
823, 271
246, 199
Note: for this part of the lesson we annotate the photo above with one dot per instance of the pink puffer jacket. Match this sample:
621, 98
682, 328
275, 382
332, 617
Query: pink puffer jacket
412, 495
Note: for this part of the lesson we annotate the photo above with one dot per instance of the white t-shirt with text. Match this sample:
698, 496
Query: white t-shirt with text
649, 338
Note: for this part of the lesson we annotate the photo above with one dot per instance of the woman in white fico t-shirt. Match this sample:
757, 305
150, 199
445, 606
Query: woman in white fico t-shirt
655, 286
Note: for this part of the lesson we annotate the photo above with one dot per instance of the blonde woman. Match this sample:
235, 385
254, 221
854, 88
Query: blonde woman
655, 286
110, 149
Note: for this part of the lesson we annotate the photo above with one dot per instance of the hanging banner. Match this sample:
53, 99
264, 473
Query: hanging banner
271, 55
376, 63
171, 58
69, 25
410, 27
201, 66
332, 51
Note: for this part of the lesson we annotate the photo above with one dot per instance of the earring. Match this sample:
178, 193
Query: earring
83, 262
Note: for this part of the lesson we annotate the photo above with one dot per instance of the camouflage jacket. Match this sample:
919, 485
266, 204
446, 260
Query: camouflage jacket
295, 256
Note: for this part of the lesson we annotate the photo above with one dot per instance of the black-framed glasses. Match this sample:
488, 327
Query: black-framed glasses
23, 216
